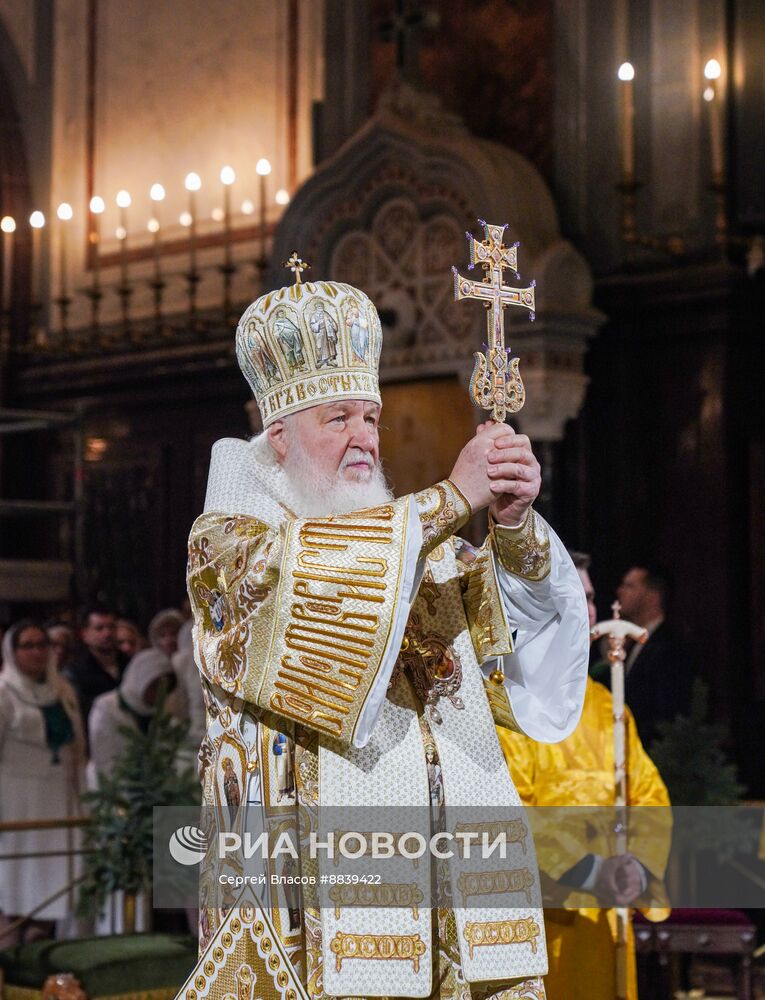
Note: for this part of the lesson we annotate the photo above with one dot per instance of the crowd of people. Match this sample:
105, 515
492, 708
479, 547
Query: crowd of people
66, 696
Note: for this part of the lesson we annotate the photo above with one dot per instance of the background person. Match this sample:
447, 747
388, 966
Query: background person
189, 695
163, 630
266, 584
97, 665
41, 763
131, 705
129, 638
62, 641
658, 676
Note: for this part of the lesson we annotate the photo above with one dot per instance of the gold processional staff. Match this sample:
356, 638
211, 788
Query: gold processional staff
618, 631
496, 383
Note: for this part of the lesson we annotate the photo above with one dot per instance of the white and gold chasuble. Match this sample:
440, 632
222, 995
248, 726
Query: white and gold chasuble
352, 651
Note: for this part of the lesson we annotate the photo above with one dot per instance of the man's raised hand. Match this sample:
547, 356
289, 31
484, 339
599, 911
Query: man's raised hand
514, 474
471, 470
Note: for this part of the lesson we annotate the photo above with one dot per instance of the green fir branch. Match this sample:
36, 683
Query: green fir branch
119, 838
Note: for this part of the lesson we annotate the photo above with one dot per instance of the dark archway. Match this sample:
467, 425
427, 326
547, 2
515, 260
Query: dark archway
15, 194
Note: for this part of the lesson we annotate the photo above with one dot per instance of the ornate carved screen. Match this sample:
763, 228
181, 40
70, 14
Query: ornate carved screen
402, 259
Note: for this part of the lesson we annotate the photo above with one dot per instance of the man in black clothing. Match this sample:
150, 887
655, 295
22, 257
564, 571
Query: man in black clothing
658, 675
97, 665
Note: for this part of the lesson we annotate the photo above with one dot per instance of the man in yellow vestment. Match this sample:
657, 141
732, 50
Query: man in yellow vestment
354, 632
579, 772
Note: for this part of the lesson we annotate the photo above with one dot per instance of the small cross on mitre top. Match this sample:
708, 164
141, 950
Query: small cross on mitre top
297, 266
617, 610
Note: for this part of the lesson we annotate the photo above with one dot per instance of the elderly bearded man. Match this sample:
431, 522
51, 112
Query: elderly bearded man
364, 631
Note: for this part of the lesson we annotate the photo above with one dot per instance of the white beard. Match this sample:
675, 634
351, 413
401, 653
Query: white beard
314, 493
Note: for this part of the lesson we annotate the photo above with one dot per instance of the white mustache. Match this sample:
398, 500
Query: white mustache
355, 455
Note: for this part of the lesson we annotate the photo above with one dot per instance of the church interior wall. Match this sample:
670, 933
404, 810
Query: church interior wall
661, 456
662, 448
668, 45
147, 445
669, 428
26, 43
491, 63
437, 409
19, 22
178, 88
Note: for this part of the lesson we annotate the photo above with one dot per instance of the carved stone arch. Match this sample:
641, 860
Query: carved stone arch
400, 258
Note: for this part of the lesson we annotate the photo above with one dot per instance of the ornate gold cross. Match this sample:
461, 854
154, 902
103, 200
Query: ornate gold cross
296, 265
495, 383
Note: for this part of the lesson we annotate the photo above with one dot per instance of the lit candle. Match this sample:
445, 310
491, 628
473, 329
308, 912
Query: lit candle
124, 201
227, 178
64, 214
193, 184
97, 207
263, 169
713, 71
626, 74
153, 226
157, 195
8, 227
282, 197
37, 222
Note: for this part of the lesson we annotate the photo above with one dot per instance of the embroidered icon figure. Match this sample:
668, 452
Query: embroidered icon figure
359, 333
231, 789
217, 602
263, 366
291, 340
324, 329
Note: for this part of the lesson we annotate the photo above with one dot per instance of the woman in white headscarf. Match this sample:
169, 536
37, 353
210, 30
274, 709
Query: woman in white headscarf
163, 630
131, 704
42, 754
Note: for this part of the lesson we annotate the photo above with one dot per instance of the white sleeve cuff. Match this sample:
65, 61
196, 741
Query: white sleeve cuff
546, 674
590, 882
